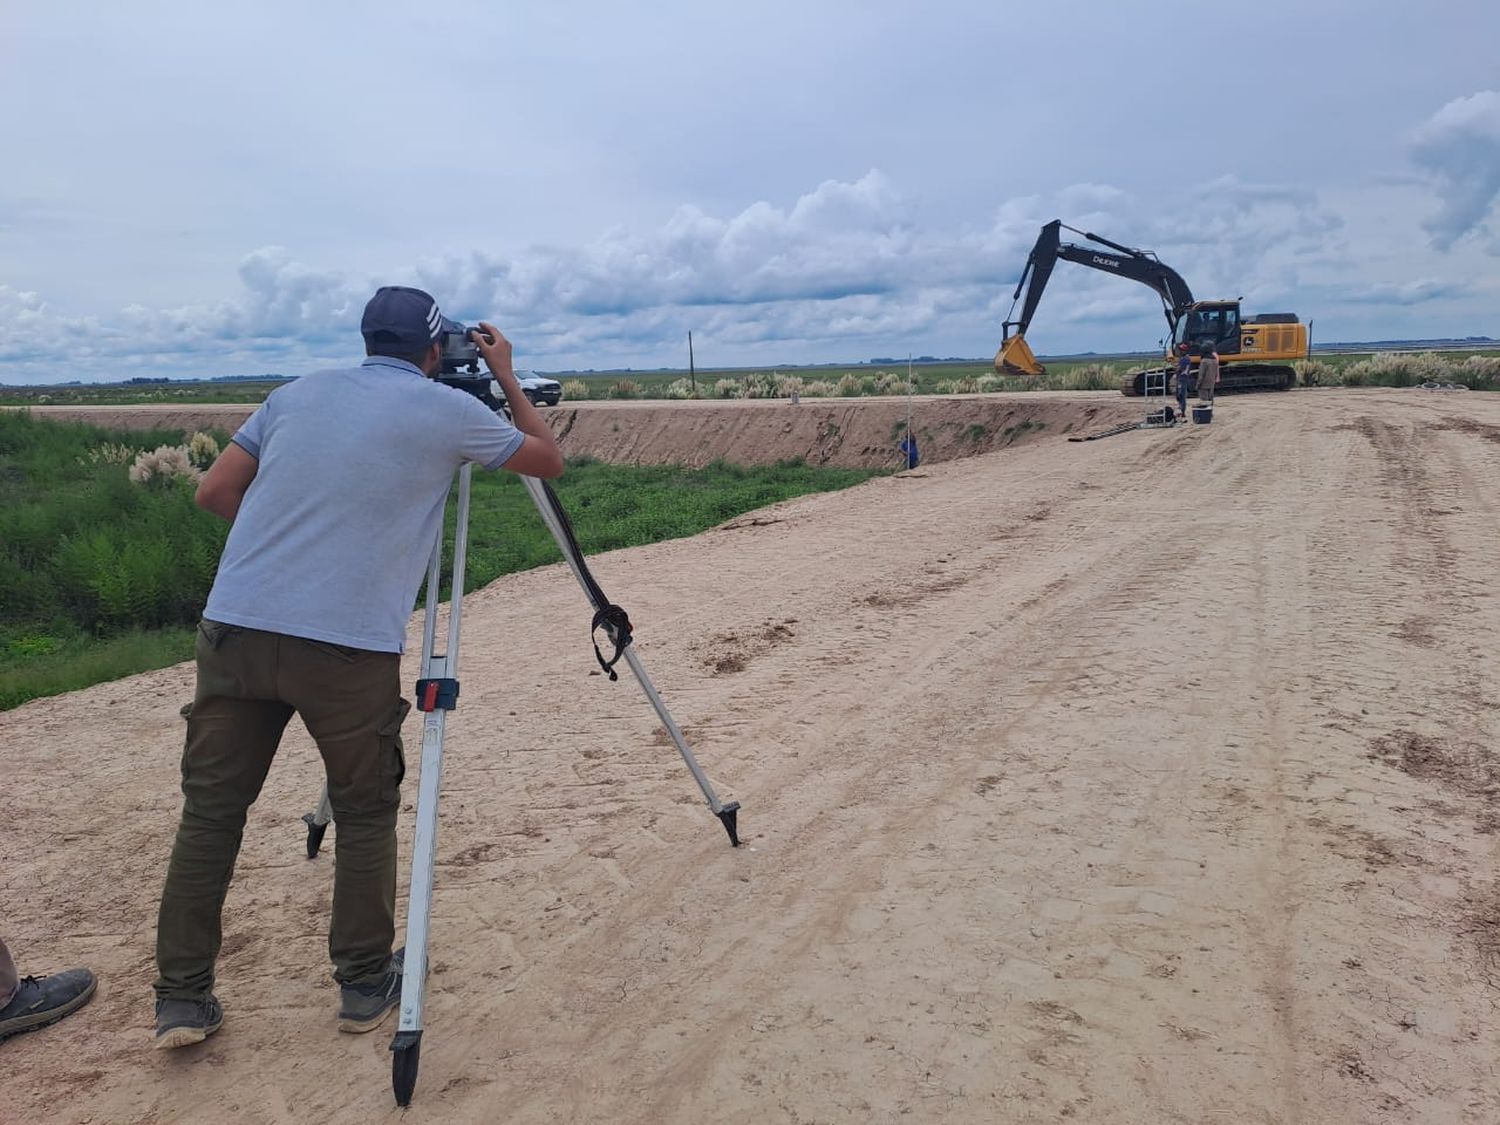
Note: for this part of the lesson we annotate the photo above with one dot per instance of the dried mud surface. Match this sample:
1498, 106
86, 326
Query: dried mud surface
1145, 780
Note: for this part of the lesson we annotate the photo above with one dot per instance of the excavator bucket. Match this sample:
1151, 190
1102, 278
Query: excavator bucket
1015, 358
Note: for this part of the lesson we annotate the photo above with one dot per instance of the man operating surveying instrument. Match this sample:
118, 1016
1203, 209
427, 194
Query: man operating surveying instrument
335, 488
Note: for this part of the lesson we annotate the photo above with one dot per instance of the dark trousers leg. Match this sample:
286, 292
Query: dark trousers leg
351, 702
233, 730
9, 982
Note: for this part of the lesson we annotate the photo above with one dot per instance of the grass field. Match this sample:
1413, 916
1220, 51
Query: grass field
102, 577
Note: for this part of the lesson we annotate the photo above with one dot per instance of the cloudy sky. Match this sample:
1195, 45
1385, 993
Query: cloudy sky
195, 189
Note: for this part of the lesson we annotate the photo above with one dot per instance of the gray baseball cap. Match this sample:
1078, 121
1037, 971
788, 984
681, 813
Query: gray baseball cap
402, 318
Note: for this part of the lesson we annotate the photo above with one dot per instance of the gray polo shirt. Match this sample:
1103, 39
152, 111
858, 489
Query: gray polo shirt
332, 539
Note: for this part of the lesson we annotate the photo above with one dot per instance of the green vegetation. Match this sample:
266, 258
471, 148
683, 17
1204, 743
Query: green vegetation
1478, 372
94, 564
613, 506
54, 665
836, 382
105, 561
1025, 426
141, 394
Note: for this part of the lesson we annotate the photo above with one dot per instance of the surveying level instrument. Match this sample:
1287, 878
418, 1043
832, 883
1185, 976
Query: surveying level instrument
437, 694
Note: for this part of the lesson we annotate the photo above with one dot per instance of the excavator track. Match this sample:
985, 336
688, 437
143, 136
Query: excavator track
1234, 378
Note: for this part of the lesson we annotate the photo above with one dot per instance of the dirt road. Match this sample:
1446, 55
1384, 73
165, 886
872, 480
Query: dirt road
1146, 780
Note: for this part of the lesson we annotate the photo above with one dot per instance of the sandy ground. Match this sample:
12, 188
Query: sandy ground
1145, 780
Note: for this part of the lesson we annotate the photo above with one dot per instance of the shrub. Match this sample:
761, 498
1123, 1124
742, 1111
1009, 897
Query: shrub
1401, 370
576, 389
158, 467
110, 453
1384, 371
682, 388
726, 388
758, 385
818, 388
624, 388
1479, 373
1092, 377
1316, 373
848, 385
202, 449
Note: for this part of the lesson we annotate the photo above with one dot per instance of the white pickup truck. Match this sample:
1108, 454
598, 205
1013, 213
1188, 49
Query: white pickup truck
541, 391
538, 390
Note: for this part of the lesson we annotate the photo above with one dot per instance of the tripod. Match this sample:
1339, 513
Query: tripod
437, 694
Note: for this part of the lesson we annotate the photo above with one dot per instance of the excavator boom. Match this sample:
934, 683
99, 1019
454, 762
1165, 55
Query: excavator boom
1015, 356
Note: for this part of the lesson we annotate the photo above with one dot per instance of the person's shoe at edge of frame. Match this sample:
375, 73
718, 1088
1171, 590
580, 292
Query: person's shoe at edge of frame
42, 1001
181, 1023
364, 1007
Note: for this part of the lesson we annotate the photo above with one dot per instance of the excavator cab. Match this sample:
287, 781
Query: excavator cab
1208, 324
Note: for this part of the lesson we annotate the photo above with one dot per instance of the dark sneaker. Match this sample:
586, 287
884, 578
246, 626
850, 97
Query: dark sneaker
181, 1023
364, 1007
43, 1000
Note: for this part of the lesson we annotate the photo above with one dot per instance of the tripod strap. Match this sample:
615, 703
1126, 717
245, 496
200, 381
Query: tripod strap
613, 618
617, 629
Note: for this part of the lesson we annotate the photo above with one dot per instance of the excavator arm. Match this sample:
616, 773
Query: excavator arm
1015, 356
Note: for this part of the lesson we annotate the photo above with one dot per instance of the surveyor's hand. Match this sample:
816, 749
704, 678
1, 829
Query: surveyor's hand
495, 348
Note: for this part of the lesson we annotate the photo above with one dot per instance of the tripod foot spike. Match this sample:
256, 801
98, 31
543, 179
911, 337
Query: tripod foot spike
315, 833
406, 1054
729, 816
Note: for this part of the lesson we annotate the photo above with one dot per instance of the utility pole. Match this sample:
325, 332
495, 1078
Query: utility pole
692, 374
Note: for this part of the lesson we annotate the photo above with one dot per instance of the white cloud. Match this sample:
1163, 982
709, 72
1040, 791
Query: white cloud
1414, 292
848, 269
1460, 147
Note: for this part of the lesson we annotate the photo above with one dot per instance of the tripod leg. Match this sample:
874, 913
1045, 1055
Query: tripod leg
556, 519
728, 814
406, 1046
437, 694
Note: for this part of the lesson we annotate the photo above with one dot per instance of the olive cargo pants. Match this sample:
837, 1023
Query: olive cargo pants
249, 684
9, 982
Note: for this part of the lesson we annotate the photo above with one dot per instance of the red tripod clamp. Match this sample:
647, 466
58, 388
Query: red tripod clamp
437, 694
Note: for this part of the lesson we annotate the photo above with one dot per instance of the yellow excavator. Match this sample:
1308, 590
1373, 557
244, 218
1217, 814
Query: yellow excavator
1255, 353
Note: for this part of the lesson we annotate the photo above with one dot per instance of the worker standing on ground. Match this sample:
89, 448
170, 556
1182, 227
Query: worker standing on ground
1208, 374
1184, 377
335, 489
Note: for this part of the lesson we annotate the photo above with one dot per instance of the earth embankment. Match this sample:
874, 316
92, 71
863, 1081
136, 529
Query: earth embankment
860, 433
